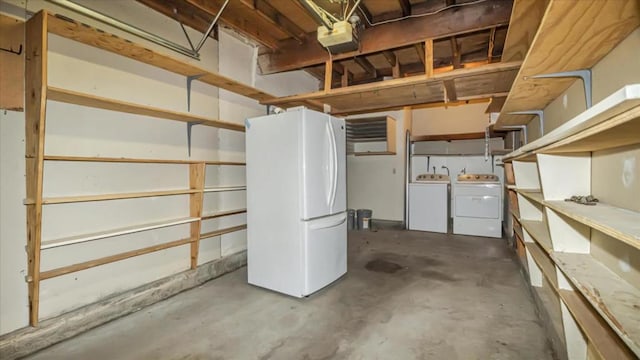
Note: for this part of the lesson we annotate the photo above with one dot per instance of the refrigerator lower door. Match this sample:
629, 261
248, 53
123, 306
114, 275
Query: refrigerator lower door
324, 251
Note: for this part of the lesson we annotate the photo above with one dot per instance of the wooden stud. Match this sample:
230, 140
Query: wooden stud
328, 75
12, 69
421, 50
428, 58
36, 47
367, 66
492, 44
196, 182
344, 79
455, 53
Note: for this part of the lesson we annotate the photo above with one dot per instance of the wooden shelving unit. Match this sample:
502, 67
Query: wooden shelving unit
587, 255
572, 35
38, 27
590, 250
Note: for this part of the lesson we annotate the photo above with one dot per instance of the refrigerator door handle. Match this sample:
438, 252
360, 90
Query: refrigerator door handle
334, 146
328, 223
331, 165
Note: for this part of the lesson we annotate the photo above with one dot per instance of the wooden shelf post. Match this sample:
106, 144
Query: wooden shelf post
196, 182
36, 100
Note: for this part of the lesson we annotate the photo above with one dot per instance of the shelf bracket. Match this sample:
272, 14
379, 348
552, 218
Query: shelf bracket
189, 126
189, 81
584, 74
522, 128
538, 113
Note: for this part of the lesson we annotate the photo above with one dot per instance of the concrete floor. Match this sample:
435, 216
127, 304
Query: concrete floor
407, 295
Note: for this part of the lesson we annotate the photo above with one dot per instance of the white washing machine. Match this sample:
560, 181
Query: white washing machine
429, 203
476, 204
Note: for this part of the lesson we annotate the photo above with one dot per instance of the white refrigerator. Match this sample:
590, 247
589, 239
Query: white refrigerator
296, 201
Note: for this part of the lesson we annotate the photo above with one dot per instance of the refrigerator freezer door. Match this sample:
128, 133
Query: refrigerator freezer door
317, 165
325, 251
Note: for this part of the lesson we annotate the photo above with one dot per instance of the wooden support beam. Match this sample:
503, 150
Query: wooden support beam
405, 5
395, 70
391, 57
272, 15
337, 68
328, 75
428, 55
346, 78
492, 43
455, 53
293, 55
196, 182
420, 49
36, 53
366, 66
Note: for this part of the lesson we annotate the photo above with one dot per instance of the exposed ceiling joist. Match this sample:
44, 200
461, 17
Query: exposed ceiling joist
391, 57
455, 53
293, 55
366, 66
268, 12
405, 5
236, 17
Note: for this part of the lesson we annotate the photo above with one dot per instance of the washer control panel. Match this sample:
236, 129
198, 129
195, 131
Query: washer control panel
478, 178
432, 177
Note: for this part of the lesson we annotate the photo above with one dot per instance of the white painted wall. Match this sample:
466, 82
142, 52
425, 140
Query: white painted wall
377, 182
452, 120
74, 130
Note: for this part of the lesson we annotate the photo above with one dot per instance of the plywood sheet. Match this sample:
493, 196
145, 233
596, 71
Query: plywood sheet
11, 65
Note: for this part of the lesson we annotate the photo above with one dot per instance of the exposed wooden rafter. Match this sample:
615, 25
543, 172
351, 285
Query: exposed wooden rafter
292, 55
405, 5
455, 53
235, 16
492, 44
366, 66
268, 12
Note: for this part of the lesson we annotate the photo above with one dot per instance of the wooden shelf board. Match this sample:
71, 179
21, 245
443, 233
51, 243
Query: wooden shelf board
372, 153
116, 160
621, 130
605, 341
134, 160
224, 188
471, 83
222, 231
572, 36
115, 232
223, 213
603, 125
89, 35
110, 259
621, 224
102, 197
532, 194
77, 98
617, 301
232, 163
539, 231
